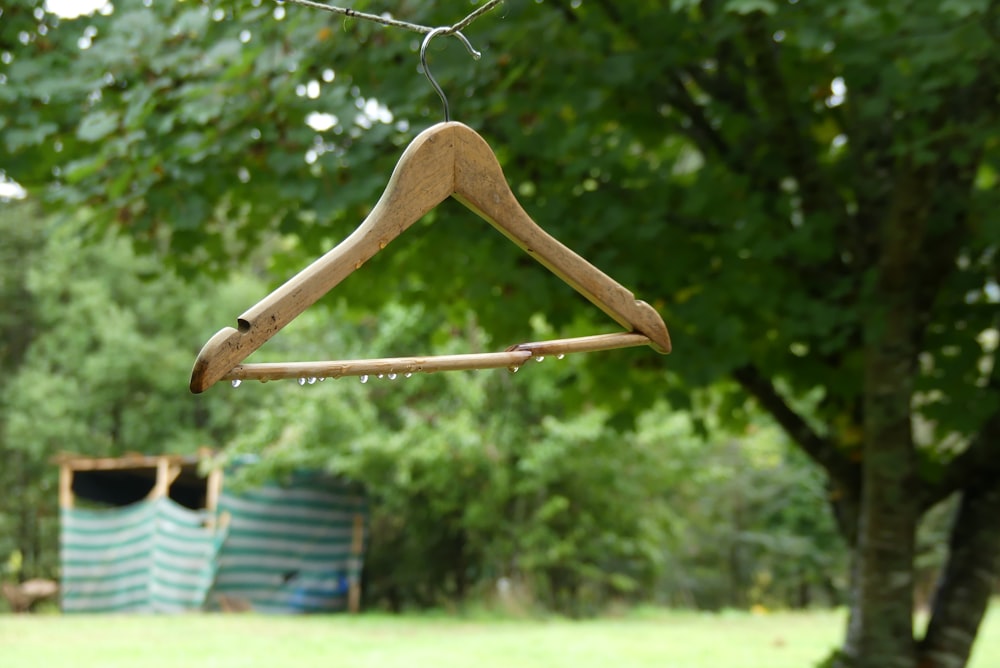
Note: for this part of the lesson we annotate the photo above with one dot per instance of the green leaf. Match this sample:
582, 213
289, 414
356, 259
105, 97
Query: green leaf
964, 8
751, 6
97, 125
683, 5
19, 138
76, 171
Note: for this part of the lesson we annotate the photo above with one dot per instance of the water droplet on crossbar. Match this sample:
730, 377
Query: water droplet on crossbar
392, 376
363, 378
302, 381
236, 382
312, 381
540, 358
560, 356
408, 374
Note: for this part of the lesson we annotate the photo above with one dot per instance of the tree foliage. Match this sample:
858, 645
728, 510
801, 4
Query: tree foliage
95, 343
478, 479
471, 483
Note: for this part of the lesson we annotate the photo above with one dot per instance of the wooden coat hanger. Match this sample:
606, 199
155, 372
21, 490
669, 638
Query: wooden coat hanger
446, 160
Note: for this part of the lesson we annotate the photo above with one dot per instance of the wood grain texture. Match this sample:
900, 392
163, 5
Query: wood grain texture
513, 358
448, 159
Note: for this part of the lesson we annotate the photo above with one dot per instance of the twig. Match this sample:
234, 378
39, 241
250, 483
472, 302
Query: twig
395, 23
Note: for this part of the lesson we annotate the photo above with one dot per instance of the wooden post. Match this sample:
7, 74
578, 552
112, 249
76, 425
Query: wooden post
357, 545
160, 486
65, 486
213, 491
165, 477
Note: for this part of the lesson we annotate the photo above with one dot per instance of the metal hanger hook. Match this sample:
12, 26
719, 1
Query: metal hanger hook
423, 61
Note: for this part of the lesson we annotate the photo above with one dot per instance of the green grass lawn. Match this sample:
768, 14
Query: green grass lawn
650, 638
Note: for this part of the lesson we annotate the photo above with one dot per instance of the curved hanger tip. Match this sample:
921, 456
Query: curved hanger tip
214, 361
652, 326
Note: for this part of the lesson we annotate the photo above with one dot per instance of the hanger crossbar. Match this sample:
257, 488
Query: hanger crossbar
514, 357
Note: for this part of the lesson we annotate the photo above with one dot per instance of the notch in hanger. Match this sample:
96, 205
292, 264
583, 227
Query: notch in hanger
446, 160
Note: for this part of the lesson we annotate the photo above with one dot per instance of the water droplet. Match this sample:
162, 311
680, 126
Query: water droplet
302, 381
322, 379
381, 375
560, 356
312, 381
363, 378
392, 376
236, 382
513, 369
540, 358
408, 374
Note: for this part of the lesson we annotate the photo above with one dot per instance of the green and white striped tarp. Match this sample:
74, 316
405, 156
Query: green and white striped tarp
289, 548
151, 556
281, 549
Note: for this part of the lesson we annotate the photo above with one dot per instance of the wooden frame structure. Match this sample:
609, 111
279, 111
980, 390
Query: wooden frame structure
164, 471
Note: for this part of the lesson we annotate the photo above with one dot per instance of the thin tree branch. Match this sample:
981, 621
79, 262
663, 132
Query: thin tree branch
701, 131
701, 126
396, 23
719, 87
611, 10
566, 11
822, 450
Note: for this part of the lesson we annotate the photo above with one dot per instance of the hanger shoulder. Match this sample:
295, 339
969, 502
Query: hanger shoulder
481, 185
422, 179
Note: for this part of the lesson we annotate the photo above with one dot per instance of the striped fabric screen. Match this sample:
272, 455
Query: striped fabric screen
151, 556
289, 549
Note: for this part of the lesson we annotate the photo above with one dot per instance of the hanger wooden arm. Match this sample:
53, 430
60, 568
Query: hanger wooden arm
423, 178
444, 160
481, 186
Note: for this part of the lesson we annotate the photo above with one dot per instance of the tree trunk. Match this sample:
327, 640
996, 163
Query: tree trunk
880, 630
964, 589
880, 626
